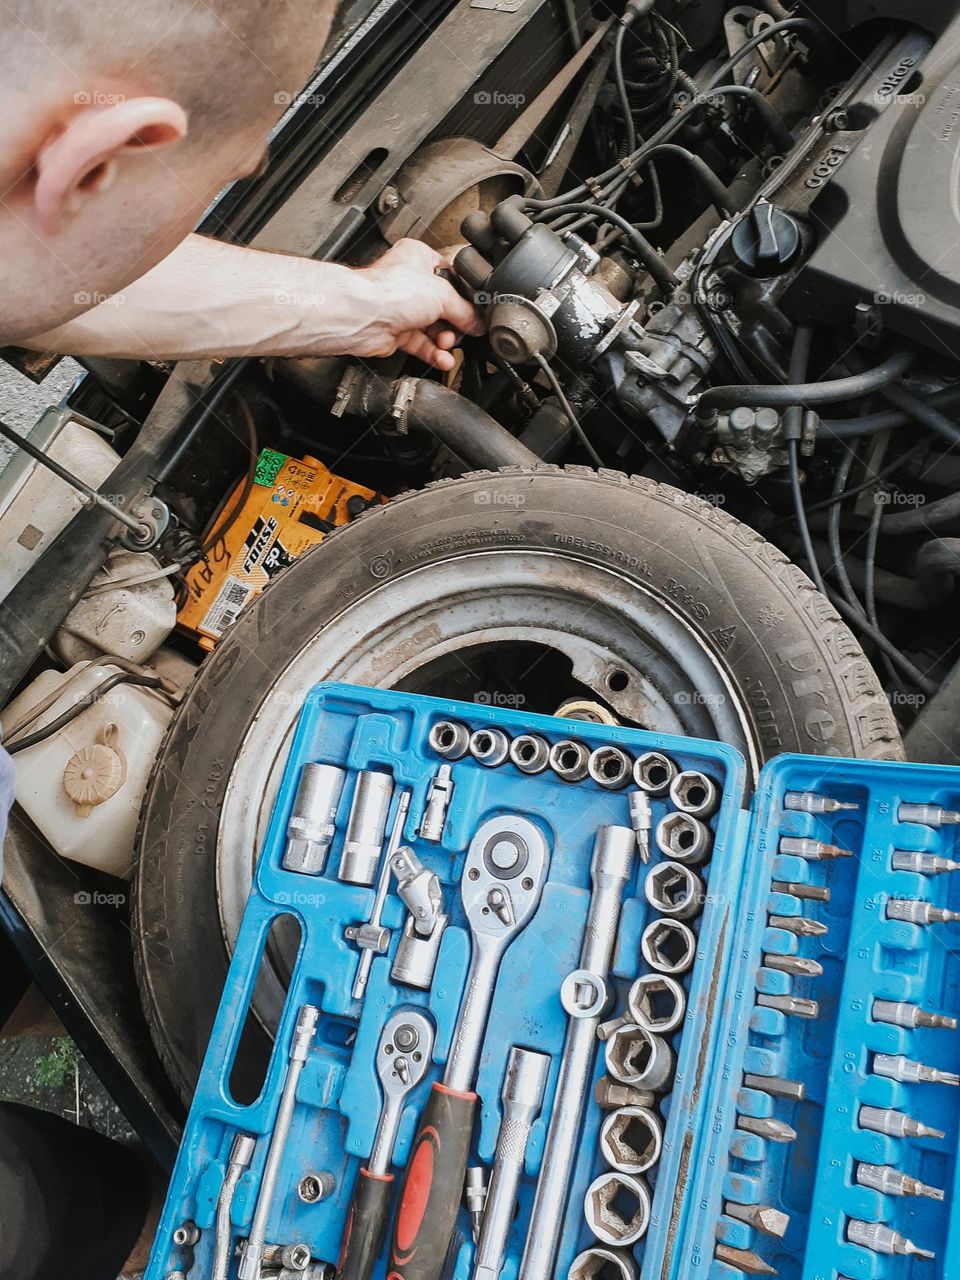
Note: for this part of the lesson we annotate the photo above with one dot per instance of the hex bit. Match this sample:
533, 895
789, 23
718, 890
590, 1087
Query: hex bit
928, 864
891, 1182
810, 802
811, 892
900, 1014
802, 926
815, 850
744, 1260
896, 1067
915, 911
767, 1127
793, 1006
928, 815
610, 1094
802, 966
880, 1239
895, 1124
772, 1222
776, 1086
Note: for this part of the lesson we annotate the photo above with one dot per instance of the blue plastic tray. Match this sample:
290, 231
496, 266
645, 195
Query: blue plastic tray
702, 1163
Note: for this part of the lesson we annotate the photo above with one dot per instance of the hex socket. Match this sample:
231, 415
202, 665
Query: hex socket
639, 1058
530, 753
569, 760
605, 1208
489, 747
366, 827
631, 1139
609, 767
653, 772
657, 1003
450, 739
312, 823
669, 946
684, 838
693, 792
602, 1262
674, 890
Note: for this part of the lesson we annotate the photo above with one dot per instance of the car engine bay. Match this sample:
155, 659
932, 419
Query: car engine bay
715, 247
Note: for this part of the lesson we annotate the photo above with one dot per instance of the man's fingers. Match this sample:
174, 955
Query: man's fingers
425, 349
413, 253
457, 311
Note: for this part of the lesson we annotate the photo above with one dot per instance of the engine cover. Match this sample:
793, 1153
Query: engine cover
889, 213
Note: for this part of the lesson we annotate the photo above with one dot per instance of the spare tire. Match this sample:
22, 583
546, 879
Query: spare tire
522, 586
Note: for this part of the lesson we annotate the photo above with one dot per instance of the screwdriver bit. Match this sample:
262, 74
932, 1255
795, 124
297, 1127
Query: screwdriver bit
744, 1260
764, 1127
475, 1197
896, 1067
641, 819
901, 1014
800, 965
776, 1086
805, 847
928, 815
795, 1006
928, 864
610, 1095
881, 1177
810, 802
880, 1239
812, 892
895, 1124
800, 925
914, 911
772, 1222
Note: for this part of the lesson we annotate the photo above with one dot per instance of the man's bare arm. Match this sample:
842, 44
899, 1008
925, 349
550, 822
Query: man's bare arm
213, 299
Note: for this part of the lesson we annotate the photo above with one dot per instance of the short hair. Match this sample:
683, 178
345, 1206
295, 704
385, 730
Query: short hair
223, 59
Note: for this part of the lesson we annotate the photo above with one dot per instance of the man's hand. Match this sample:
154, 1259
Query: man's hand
412, 308
213, 299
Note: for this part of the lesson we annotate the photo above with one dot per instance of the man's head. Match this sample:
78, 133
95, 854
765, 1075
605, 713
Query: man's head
120, 120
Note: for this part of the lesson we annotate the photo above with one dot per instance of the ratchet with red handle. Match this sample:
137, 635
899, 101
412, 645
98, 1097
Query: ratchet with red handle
403, 1057
503, 876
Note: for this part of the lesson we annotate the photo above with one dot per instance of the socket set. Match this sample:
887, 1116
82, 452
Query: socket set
563, 1007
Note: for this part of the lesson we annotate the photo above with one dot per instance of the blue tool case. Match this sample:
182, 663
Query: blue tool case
770, 1081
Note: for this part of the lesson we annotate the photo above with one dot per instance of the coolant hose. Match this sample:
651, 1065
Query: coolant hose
471, 435
781, 395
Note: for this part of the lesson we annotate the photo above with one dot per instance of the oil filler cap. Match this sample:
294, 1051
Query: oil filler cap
766, 241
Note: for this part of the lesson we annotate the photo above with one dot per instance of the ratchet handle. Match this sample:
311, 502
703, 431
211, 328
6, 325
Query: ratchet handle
366, 1229
432, 1186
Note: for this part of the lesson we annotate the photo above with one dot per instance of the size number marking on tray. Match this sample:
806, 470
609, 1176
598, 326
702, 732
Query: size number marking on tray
230, 599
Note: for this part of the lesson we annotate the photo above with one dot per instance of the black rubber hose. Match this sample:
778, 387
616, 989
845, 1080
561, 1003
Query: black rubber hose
782, 395
888, 419
923, 412
788, 24
772, 120
938, 564
471, 435
929, 516
718, 193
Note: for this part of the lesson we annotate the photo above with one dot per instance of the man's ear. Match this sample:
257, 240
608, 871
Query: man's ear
82, 159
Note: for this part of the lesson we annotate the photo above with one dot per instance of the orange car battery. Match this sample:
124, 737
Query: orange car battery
292, 505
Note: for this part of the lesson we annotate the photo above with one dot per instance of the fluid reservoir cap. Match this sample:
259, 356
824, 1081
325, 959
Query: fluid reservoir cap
92, 775
766, 241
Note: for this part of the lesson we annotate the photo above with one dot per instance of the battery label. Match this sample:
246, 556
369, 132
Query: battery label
228, 602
